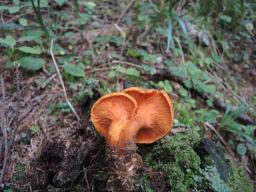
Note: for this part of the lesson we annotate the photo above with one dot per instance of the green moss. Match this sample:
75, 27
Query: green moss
175, 156
142, 183
239, 181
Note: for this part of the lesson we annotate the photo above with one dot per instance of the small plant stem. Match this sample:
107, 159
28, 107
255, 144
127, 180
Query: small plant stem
77, 6
62, 83
39, 16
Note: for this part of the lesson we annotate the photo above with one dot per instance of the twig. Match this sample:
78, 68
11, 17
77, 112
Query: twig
123, 35
124, 11
99, 69
4, 131
207, 125
126, 63
17, 107
86, 179
1, 16
62, 83
154, 7
16, 17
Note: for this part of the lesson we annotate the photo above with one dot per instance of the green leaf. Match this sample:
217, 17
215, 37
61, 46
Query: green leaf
165, 85
192, 69
90, 5
60, 2
178, 72
112, 74
211, 116
183, 92
133, 53
23, 21
149, 69
43, 3
31, 50
241, 149
58, 50
31, 63
147, 57
32, 35
225, 18
73, 70
210, 88
130, 71
16, 2
133, 72
9, 41
13, 9
3, 8
83, 19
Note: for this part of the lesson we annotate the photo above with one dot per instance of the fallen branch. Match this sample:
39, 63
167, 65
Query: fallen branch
4, 131
62, 83
217, 102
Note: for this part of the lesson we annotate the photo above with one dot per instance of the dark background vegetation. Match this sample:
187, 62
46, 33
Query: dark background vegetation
57, 57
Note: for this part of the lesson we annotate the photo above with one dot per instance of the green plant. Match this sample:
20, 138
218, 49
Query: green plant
244, 133
227, 12
17, 54
194, 77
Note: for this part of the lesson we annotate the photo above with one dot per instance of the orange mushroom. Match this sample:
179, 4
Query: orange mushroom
134, 115
154, 112
110, 113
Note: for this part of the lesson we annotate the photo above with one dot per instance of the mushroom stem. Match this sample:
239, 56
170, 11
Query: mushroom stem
122, 132
129, 132
115, 130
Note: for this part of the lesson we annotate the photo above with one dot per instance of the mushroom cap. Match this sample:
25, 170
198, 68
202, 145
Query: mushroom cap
111, 107
155, 109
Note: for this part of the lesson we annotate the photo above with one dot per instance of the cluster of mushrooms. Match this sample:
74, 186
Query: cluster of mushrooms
134, 115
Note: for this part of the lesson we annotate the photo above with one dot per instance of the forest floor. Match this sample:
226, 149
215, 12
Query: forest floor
205, 64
